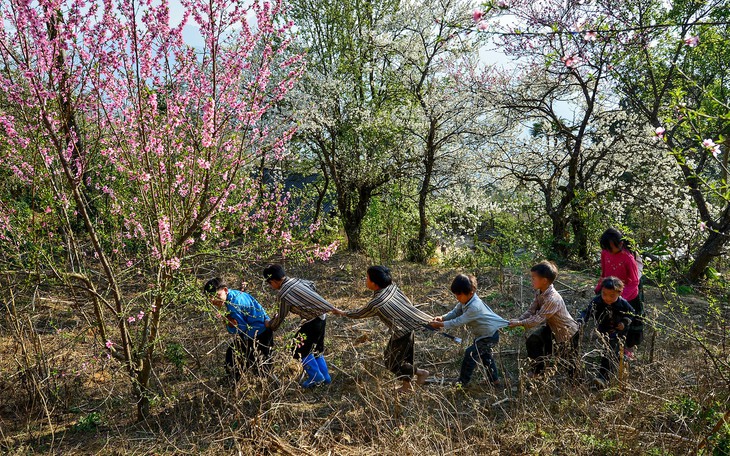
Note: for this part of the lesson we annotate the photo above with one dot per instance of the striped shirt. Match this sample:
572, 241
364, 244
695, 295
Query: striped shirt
395, 310
300, 297
549, 307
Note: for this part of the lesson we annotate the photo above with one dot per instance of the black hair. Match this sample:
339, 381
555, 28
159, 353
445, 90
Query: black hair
612, 283
612, 236
474, 283
274, 272
380, 276
213, 285
462, 285
546, 270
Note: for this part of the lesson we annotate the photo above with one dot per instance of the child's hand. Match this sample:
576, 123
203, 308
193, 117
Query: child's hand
438, 318
267, 323
620, 326
513, 323
231, 321
436, 324
338, 312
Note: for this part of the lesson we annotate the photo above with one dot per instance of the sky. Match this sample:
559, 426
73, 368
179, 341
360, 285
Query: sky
488, 55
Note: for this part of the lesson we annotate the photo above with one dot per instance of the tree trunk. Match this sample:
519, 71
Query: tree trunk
560, 243
353, 214
580, 231
152, 327
710, 249
321, 195
418, 252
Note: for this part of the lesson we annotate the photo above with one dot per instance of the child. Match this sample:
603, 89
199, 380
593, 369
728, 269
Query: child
300, 297
548, 307
481, 320
246, 318
617, 260
396, 311
613, 317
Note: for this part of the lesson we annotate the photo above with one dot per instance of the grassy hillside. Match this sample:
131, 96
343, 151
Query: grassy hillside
62, 395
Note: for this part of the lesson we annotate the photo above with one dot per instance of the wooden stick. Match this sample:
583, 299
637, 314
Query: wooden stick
717, 427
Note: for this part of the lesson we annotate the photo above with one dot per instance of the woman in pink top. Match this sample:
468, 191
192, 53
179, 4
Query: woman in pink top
618, 260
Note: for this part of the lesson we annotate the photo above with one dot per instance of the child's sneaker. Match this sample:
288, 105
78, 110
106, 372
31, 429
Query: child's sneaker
629, 354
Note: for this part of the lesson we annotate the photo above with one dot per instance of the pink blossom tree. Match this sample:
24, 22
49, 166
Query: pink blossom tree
144, 140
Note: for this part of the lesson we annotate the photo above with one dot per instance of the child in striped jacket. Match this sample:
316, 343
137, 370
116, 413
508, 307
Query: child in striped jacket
394, 309
301, 298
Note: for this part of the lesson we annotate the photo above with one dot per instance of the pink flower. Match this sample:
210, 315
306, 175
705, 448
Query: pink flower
660, 131
163, 225
590, 36
109, 344
131, 320
716, 151
502, 4
571, 61
48, 209
140, 315
708, 144
703, 226
692, 41
477, 15
482, 25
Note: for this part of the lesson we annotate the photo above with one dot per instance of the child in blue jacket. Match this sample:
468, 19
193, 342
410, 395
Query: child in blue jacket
472, 312
246, 318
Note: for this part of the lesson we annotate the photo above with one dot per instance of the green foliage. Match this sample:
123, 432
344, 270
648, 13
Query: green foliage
684, 407
502, 241
175, 354
87, 423
602, 445
684, 290
389, 225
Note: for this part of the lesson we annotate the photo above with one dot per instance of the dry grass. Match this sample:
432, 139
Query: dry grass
65, 396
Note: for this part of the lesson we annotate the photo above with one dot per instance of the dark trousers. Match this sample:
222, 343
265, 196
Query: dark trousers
480, 350
541, 344
311, 337
635, 332
610, 355
399, 356
244, 353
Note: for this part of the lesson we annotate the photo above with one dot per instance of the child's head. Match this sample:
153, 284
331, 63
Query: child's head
274, 275
611, 288
378, 277
216, 291
612, 240
473, 280
463, 287
543, 274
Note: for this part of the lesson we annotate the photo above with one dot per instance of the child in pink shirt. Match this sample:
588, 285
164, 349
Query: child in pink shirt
618, 260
